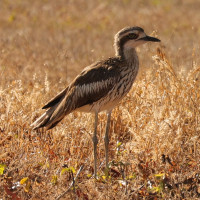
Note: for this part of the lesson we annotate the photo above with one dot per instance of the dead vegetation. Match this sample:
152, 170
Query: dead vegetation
154, 148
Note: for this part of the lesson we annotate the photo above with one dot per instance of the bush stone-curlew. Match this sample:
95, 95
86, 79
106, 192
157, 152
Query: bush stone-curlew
99, 86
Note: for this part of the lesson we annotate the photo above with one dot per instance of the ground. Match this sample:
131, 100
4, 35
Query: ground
154, 148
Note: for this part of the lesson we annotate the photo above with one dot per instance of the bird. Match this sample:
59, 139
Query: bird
99, 87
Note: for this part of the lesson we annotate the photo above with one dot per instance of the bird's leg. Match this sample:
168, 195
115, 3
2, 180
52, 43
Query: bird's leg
106, 138
95, 142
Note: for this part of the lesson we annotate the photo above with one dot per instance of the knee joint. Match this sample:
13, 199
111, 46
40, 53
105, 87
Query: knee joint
95, 140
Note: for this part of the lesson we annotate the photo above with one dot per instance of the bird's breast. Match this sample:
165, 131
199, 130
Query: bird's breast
122, 87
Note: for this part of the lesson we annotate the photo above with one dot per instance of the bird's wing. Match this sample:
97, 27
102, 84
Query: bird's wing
91, 85
56, 99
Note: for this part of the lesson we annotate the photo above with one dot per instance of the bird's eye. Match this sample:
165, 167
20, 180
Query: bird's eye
132, 35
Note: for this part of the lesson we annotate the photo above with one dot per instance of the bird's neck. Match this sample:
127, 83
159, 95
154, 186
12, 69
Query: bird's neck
129, 55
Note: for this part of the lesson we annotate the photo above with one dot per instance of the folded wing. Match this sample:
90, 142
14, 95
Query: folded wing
91, 85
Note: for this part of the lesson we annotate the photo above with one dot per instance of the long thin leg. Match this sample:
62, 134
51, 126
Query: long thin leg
106, 138
95, 142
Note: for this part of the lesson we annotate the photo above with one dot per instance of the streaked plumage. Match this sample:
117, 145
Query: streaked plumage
99, 86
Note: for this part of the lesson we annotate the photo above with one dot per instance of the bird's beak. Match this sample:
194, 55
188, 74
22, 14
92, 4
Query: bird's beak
151, 39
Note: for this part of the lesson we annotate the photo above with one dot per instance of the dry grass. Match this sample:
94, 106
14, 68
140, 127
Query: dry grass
155, 131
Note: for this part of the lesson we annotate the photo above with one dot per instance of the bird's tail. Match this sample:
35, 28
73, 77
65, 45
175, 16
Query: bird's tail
55, 113
49, 119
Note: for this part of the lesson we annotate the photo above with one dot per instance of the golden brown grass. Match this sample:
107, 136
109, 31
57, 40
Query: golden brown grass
154, 148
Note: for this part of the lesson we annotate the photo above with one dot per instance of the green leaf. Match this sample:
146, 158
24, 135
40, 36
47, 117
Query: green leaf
54, 179
133, 176
23, 180
68, 169
160, 175
63, 171
119, 144
156, 189
27, 187
89, 175
156, 2
72, 169
12, 17
40, 164
2, 168
47, 165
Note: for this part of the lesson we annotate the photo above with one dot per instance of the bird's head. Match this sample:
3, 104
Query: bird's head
132, 37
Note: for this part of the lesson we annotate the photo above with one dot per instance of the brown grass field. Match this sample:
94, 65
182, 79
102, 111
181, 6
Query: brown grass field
155, 131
